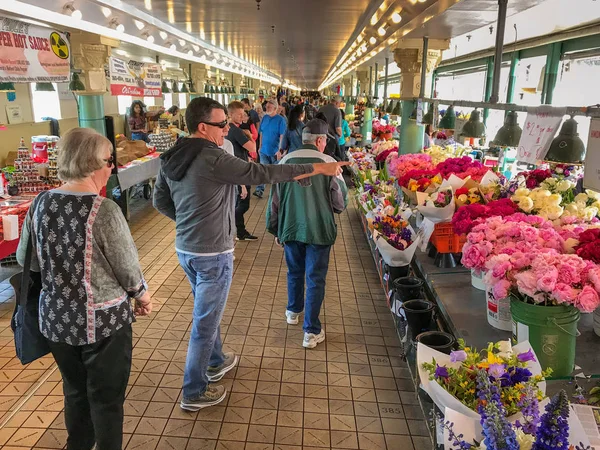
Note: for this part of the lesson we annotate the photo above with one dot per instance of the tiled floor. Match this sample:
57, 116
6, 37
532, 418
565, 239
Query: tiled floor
351, 392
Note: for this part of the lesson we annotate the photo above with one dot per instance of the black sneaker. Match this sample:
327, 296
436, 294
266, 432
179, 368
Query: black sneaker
247, 237
258, 194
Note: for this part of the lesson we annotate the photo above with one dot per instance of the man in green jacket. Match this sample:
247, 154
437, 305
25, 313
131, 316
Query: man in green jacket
301, 218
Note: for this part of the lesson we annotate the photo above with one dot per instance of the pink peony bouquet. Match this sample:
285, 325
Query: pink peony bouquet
400, 165
462, 167
547, 279
516, 234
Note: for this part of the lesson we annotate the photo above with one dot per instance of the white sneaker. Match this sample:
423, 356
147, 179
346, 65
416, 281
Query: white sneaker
311, 340
292, 317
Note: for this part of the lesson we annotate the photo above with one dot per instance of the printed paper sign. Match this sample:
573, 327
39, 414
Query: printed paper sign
540, 127
134, 78
591, 179
32, 54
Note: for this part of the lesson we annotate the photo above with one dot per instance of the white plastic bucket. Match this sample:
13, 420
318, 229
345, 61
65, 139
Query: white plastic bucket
477, 280
498, 311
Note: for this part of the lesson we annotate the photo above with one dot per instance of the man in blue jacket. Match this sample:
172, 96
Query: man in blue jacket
272, 129
301, 217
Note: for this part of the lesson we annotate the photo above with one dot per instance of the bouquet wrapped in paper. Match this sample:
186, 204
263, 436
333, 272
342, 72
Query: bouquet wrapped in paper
439, 206
395, 239
418, 181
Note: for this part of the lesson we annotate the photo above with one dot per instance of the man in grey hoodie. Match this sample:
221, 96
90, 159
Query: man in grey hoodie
196, 187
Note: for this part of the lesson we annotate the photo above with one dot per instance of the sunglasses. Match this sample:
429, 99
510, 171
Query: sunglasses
217, 124
110, 161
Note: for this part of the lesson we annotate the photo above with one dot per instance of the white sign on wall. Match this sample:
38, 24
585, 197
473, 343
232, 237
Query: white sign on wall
591, 179
541, 124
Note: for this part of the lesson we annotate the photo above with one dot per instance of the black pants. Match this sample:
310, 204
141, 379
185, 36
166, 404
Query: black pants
95, 379
241, 207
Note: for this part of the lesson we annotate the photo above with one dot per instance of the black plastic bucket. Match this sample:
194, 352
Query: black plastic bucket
437, 340
407, 288
419, 313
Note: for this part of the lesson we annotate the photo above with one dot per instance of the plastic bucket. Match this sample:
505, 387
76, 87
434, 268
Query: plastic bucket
477, 280
419, 313
551, 331
407, 288
498, 311
437, 340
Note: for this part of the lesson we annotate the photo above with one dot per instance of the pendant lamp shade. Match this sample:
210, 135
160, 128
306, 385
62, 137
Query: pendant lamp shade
567, 147
474, 128
207, 89
397, 109
509, 134
7, 87
390, 107
175, 88
165, 88
448, 122
44, 87
428, 117
76, 84
184, 88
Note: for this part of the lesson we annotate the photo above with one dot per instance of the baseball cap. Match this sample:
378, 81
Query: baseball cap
317, 126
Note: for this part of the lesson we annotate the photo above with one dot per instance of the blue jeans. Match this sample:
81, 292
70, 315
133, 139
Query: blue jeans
265, 159
210, 277
310, 262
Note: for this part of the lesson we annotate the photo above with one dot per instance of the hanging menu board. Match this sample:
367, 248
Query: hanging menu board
591, 179
134, 78
540, 127
33, 54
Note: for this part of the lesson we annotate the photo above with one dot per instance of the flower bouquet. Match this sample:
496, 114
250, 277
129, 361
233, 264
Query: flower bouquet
400, 165
588, 247
439, 154
395, 239
462, 167
439, 206
383, 149
465, 196
534, 178
467, 216
585, 205
418, 181
540, 202
558, 428
451, 380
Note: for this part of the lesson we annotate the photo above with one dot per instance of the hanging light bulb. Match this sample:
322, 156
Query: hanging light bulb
182, 42
138, 24
148, 37
70, 10
172, 46
195, 47
372, 40
163, 35
396, 17
115, 25
374, 19
190, 52
106, 11
381, 31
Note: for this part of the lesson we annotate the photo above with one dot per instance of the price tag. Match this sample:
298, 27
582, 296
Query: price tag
591, 179
540, 127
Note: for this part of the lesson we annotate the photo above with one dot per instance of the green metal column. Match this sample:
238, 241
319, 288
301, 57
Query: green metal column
489, 76
411, 134
91, 113
376, 81
433, 77
551, 73
367, 127
512, 77
385, 84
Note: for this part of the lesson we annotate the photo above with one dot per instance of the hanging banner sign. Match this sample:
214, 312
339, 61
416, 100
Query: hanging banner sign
33, 54
591, 178
134, 78
540, 127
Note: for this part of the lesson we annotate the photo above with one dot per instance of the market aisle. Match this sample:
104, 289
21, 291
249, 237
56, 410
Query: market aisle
352, 392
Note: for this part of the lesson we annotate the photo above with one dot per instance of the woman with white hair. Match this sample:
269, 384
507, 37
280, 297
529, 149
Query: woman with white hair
90, 271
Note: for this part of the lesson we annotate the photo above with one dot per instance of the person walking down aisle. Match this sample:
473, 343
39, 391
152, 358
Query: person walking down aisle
346, 133
333, 114
89, 269
272, 129
196, 187
292, 139
301, 218
242, 147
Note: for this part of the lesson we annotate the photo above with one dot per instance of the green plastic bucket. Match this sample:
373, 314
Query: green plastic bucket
551, 331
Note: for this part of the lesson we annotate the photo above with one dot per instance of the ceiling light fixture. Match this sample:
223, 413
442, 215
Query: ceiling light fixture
381, 31
374, 19
396, 17
148, 37
138, 24
70, 10
115, 25
106, 11
163, 35
360, 38
373, 53
196, 47
182, 42
372, 40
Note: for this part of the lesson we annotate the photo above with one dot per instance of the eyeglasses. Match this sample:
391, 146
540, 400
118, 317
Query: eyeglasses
217, 124
110, 161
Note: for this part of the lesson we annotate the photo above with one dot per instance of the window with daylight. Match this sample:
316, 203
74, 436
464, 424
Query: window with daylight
149, 101
45, 104
183, 99
124, 102
168, 101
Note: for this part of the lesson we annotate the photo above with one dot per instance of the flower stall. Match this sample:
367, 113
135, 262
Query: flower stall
527, 270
